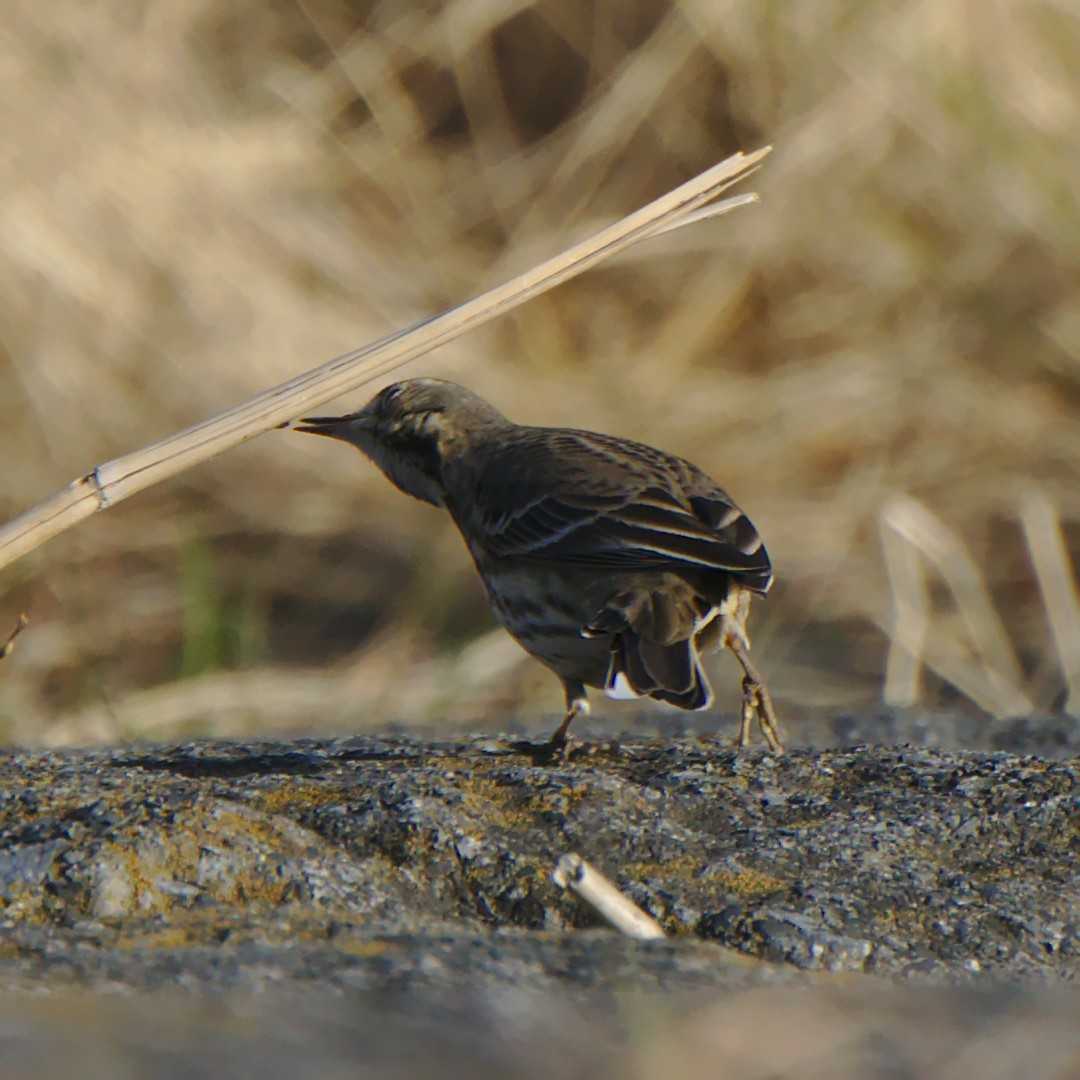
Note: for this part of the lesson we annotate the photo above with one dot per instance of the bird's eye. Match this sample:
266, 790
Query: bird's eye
389, 396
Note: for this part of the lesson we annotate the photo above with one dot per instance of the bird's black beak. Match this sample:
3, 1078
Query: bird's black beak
334, 427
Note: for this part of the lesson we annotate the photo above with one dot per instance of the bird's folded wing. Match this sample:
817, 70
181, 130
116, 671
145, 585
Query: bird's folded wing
646, 529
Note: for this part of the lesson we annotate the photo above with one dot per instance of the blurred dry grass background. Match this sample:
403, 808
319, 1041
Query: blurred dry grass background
200, 200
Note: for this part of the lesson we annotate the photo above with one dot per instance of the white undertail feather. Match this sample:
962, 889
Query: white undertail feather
619, 688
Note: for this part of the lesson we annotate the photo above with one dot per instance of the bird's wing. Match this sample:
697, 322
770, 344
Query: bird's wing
612, 504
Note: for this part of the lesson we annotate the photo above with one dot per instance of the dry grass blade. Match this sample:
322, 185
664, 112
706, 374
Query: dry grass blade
910, 617
993, 678
1057, 583
950, 659
116, 480
20, 625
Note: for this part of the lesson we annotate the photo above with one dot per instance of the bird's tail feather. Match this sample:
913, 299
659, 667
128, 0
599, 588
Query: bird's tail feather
653, 653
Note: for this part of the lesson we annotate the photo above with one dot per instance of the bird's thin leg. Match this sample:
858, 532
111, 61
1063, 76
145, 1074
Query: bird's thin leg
577, 704
749, 711
757, 701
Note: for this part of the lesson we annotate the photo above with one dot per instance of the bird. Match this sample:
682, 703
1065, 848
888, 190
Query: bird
615, 564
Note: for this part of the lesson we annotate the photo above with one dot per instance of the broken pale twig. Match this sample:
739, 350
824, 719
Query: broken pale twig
573, 872
124, 476
20, 625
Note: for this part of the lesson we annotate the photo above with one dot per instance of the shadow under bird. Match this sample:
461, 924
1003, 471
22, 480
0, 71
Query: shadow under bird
615, 564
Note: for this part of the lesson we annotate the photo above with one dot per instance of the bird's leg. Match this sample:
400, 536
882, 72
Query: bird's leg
749, 711
730, 628
757, 701
577, 704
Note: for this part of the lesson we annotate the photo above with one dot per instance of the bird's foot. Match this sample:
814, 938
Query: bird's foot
555, 751
757, 705
560, 746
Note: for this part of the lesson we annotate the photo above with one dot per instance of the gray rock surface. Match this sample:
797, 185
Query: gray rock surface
136, 864
399, 869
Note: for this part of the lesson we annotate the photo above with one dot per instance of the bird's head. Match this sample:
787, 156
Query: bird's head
409, 428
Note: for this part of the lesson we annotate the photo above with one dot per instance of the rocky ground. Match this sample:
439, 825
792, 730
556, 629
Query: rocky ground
405, 884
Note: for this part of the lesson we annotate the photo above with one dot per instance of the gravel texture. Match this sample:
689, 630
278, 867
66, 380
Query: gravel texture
395, 869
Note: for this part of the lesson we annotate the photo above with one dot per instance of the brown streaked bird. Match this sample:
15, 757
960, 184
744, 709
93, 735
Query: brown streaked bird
615, 564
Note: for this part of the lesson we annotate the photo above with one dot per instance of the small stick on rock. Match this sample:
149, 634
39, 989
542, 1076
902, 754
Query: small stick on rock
20, 625
573, 872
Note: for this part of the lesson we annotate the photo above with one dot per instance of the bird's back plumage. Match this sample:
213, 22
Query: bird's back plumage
583, 498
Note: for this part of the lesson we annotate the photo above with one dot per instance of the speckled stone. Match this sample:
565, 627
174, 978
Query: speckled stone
395, 861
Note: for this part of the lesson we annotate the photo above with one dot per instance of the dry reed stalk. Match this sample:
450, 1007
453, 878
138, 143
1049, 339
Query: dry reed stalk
115, 480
